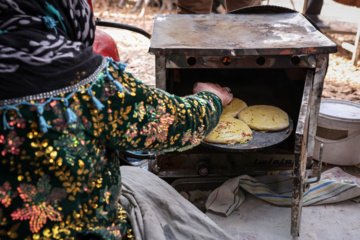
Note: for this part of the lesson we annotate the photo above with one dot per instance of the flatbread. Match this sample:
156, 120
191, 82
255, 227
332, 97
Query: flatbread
229, 131
264, 118
234, 107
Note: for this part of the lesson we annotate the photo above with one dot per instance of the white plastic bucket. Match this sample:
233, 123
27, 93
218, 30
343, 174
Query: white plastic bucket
339, 131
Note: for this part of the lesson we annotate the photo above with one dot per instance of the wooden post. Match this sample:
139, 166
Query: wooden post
356, 52
304, 7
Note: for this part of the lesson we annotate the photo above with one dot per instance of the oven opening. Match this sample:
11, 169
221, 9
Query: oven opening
282, 88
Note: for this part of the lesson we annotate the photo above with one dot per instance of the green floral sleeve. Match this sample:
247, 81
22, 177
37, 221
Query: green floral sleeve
58, 176
145, 118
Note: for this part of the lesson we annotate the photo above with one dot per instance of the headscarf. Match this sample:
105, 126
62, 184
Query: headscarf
45, 45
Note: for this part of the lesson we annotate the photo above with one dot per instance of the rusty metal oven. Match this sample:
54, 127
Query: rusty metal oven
273, 58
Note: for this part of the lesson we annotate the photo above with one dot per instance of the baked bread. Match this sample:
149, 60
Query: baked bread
229, 130
234, 107
264, 118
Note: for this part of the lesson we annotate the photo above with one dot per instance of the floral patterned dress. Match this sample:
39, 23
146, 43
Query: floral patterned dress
59, 173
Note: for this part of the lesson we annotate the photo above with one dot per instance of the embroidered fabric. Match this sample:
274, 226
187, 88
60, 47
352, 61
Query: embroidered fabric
71, 117
66, 181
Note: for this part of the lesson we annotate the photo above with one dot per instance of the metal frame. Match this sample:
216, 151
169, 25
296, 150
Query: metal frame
306, 126
312, 56
305, 137
301, 154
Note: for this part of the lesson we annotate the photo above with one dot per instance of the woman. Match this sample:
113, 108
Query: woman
64, 110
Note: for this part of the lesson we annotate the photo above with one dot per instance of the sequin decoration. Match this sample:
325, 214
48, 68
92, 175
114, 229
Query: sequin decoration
131, 132
38, 202
139, 111
6, 194
75, 145
12, 143
158, 124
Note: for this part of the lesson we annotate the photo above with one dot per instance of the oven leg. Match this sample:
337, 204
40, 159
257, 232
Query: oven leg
160, 71
314, 86
296, 198
301, 154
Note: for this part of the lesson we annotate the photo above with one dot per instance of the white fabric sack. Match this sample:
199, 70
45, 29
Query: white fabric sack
335, 186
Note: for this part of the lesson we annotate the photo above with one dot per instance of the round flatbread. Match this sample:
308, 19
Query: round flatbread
234, 107
264, 118
229, 131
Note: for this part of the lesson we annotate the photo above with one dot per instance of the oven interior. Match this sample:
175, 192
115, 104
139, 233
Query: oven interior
281, 87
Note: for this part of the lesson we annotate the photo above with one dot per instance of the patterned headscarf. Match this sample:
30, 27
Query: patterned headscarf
45, 45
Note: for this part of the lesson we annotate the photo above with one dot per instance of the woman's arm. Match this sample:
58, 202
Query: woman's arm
145, 118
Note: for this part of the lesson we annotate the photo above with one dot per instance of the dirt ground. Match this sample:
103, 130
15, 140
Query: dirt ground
342, 80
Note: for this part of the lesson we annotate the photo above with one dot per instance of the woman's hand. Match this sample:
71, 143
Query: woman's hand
225, 96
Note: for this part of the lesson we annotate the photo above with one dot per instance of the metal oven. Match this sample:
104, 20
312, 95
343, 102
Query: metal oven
274, 57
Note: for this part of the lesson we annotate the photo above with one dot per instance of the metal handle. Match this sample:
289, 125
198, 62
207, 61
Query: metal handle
99, 22
140, 156
318, 177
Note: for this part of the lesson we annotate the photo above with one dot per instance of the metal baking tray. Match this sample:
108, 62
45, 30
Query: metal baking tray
259, 141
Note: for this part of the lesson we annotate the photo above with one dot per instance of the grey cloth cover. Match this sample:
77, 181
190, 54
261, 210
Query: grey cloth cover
157, 211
